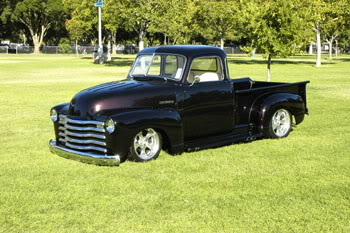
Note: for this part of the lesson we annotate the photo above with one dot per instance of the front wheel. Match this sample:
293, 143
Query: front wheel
280, 124
146, 146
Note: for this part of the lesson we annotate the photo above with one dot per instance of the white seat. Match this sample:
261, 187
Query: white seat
209, 77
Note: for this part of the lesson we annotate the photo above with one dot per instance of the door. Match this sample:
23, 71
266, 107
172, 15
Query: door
208, 105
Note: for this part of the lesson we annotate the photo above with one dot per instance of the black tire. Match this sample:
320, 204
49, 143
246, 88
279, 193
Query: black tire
145, 146
280, 124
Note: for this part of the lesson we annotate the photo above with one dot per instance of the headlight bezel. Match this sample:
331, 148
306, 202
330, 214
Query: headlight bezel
53, 115
110, 125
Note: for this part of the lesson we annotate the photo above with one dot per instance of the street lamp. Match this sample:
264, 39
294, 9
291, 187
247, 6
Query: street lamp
99, 4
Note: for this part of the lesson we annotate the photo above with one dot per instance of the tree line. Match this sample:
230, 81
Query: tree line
275, 28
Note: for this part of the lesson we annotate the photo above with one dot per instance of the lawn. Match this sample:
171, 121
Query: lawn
297, 184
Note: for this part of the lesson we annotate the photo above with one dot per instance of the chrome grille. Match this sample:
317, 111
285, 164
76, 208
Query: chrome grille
82, 135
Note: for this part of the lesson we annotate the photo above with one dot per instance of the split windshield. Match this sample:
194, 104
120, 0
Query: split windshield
163, 65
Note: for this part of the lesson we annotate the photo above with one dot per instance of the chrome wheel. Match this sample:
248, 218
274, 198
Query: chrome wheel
147, 144
281, 123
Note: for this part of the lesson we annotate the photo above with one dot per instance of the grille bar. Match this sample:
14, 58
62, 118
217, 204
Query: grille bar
86, 147
82, 135
79, 122
102, 130
68, 139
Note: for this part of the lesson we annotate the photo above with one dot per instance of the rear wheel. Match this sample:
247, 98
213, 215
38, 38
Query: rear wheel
146, 145
280, 124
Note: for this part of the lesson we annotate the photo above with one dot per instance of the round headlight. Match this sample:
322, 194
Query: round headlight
53, 115
110, 126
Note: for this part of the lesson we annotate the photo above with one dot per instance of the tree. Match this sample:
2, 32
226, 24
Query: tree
218, 19
177, 22
335, 21
38, 16
113, 18
83, 17
274, 28
140, 15
9, 29
316, 15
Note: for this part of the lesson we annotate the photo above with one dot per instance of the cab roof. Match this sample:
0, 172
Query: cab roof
186, 50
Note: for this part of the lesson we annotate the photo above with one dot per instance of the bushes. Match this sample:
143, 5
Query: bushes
64, 46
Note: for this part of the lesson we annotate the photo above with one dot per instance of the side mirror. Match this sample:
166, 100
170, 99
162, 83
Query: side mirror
196, 79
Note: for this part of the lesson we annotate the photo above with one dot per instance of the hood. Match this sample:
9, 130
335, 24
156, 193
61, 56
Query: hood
122, 95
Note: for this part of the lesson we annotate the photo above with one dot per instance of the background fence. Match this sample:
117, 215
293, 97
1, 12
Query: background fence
84, 49
20, 49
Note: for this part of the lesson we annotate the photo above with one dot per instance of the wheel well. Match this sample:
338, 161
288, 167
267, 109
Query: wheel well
165, 139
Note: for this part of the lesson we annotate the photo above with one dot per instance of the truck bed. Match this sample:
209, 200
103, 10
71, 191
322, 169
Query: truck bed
247, 91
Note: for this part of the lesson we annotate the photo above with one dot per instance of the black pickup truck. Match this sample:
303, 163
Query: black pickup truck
176, 98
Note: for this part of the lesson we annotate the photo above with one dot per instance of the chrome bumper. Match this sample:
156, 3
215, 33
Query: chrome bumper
83, 156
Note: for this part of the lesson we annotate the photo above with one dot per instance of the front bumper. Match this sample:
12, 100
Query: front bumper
83, 156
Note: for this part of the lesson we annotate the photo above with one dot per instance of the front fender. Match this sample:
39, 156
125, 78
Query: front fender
129, 123
264, 107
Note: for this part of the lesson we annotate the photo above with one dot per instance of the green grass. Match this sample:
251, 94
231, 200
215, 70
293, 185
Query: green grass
297, 184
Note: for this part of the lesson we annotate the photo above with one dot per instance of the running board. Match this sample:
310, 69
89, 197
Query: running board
218, 141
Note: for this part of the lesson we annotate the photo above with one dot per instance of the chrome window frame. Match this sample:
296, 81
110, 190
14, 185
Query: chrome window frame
168, 54
222, 78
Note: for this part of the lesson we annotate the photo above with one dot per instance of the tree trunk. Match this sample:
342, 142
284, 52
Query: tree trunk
176, 38
330, 48
165, 37
310, 48
114, 43
141, 40
318, 45
222, 43
24, 39
36, 42
269, 68
336, 48
76, 48
109, 57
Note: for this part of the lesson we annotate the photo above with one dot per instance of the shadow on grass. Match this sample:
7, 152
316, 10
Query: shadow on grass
116, 61
343, 59
120, 62
281, 62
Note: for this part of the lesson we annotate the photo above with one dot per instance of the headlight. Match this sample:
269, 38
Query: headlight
110, 126
53, 115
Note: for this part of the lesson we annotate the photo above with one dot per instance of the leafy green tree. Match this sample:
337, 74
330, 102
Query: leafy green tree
140, 15
38, 16
9, 29
274, 28
113, 19
176, 22
315, 15
4, 25
336, 20
218, 19
83, 17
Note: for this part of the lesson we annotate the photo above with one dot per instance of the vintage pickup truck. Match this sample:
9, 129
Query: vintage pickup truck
176, 98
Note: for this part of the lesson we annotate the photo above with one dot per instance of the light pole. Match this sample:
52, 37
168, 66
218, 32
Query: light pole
99, 4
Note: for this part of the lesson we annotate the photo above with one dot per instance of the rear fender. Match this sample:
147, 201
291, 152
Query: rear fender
265, 106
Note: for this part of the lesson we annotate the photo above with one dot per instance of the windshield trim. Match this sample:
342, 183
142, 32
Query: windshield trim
155, 54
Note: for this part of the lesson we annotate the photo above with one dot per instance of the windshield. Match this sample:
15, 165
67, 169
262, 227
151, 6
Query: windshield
163, 65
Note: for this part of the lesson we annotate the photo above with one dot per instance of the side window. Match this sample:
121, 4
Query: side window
155, 66
208, 69
174, 66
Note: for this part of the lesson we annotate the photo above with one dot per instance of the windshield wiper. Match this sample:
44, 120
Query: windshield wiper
141, 77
